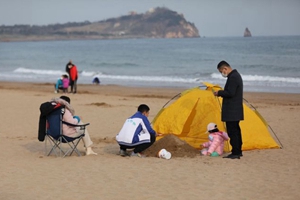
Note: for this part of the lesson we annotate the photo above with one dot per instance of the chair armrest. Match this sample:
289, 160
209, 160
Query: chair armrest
76, 125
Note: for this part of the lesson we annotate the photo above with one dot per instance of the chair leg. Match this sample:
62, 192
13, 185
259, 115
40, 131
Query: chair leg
55, 146
46, 139
52, 143
73, 147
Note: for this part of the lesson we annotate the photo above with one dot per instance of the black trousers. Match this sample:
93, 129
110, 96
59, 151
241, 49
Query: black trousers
235, 135
65, 90
141, 147
73, 85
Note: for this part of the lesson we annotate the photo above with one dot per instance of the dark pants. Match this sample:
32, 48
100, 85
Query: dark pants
73, 85
65, 90
141, 147
235, 135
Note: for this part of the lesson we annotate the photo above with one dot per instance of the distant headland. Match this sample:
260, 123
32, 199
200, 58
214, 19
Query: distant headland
158, 22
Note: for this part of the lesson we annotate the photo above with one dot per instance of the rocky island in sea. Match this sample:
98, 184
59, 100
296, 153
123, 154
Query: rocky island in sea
158, 22
247, 33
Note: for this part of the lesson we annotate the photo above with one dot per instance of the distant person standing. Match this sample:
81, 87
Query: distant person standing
67, 66
71, 69
232, 107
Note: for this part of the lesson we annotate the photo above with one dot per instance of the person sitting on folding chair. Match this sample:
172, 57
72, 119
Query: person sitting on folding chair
71, 131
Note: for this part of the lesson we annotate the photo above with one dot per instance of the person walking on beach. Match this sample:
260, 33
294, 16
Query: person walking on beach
136, 133
71, 69
232, 107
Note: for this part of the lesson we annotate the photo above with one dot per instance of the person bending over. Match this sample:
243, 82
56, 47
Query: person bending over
136, 133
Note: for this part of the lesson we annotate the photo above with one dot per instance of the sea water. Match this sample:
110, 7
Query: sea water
267, 64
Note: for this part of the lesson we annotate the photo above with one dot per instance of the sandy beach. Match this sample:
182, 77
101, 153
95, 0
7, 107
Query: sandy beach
26, 173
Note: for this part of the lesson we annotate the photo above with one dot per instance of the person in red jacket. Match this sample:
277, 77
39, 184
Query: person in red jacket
73, 74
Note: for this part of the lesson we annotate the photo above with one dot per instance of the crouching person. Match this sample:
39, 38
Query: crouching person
215, 146
136, 133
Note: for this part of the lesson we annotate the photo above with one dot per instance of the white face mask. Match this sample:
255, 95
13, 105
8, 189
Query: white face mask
210, 137
224, 75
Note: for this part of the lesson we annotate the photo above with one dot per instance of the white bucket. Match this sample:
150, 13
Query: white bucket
164, 154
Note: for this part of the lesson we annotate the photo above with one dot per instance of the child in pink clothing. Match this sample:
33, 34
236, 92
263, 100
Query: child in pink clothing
65, 83
215, 145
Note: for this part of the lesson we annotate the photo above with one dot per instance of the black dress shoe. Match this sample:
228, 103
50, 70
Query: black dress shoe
232, 156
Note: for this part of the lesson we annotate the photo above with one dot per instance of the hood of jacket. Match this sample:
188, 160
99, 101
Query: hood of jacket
65, 103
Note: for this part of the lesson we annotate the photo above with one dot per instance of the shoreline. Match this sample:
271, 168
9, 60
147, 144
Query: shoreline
143, 91
179, 87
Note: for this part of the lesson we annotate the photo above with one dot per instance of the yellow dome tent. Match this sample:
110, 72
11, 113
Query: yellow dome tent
187, 118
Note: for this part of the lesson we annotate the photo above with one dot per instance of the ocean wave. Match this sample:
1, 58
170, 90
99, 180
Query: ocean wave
38, 71
22, 70
87, 74
151, 78
108, 64
170, 79
256, 78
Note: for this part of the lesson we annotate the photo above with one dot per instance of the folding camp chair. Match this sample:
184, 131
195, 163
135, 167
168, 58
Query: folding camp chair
55, 135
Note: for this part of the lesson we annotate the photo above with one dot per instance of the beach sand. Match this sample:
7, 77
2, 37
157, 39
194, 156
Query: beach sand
26, 173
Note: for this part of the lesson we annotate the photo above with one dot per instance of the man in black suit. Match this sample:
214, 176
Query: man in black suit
232, 107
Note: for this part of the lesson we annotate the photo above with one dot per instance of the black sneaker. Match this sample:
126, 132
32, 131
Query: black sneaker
232, 156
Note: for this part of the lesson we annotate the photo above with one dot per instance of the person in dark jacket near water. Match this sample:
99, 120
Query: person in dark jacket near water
67, 66
232, 107
71, 69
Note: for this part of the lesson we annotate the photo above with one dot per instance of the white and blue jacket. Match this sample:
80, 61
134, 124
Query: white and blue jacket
136, 130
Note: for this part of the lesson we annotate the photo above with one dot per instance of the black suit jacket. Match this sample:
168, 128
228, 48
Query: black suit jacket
232, 106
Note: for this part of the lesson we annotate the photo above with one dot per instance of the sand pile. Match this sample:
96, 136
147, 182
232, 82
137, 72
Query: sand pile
176, 146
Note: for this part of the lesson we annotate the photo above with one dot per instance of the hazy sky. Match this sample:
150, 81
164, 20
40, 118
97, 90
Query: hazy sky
211, 17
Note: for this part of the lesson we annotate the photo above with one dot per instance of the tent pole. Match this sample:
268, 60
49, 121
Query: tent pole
281, 146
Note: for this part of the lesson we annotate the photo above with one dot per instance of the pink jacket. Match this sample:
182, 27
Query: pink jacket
216, 143
65, 83
68, 117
